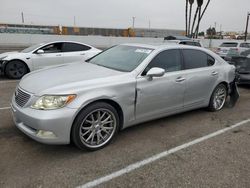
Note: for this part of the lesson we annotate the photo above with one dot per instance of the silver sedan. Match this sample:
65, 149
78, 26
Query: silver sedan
88, 103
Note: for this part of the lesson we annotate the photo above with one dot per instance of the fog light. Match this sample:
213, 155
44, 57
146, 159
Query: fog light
45, 134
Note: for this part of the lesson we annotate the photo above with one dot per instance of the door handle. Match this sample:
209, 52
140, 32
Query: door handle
59, 55
214, 73
180, 79
82, 54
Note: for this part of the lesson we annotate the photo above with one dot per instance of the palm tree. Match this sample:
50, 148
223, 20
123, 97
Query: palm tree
200, 3
186, 17
203, 12
194, 20
190, 14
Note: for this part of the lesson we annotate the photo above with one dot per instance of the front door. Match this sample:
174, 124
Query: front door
52, 56
163, 95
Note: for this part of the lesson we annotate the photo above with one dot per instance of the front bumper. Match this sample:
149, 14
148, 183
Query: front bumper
31, 121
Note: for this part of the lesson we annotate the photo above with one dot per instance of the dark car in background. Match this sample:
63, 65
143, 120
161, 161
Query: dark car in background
242, 63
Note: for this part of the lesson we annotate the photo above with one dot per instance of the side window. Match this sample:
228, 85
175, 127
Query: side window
74, 47
197, 59
52, 48
243, 45
169, 60
210, 60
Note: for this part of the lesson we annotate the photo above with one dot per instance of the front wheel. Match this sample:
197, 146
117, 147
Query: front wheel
15, 69
218, 98
95, 126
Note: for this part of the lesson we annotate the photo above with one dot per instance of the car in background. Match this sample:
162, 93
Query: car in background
237, 46
186, 42
242, 63
16, 64
88, 103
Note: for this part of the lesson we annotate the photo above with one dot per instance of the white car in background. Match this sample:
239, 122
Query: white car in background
236, 46
16, 64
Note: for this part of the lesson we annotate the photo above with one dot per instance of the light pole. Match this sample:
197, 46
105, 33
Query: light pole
133, 22
248, 14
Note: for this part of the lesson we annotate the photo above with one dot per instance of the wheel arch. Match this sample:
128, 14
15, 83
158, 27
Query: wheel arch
108, 101
4, 68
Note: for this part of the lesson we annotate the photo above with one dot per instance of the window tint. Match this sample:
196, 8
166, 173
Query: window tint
74, 47
52, 48
169, 60
229, 44
210, 60
197, 59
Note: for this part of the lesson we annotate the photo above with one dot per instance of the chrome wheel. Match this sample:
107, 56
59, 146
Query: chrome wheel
219, 98
97, 128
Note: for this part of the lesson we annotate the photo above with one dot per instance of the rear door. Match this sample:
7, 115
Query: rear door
74, 52
201, 76
52, 56
161, 95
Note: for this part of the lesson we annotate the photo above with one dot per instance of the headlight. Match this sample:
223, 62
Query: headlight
51, 102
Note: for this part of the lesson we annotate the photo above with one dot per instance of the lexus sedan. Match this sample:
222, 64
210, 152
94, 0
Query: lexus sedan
16, 64
88, 103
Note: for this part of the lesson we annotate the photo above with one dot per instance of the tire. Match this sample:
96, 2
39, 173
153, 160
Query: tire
218, 98
95, 126
16, 69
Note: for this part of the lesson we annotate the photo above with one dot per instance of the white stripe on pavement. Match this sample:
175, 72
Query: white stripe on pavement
5, 108
157, 157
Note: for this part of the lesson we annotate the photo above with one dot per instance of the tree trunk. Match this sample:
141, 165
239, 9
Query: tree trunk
190, 15
198, 24
203, 12
194, 20
186, 17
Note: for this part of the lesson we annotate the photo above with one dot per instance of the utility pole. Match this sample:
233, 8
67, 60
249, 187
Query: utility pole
220, 31
248, 14
74, 21
133, 22
22, 17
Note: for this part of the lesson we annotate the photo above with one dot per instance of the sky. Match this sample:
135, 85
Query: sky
165, 14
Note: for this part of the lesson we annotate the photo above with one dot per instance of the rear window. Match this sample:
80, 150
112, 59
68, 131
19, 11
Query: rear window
229, 44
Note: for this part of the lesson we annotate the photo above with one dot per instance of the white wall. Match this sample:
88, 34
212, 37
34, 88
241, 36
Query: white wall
8, 39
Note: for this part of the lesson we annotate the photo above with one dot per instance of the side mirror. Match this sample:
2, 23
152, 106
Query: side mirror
40, 51
155, 72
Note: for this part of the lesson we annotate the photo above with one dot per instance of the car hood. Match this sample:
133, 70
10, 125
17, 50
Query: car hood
13, 55
57, 79
6, 54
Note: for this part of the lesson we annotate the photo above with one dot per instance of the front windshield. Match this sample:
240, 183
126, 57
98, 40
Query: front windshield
31, 48
122, 58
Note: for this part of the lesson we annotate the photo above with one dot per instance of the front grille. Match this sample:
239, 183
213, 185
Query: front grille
21, 97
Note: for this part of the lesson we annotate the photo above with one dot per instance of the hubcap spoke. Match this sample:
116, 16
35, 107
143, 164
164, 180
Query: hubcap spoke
97, 128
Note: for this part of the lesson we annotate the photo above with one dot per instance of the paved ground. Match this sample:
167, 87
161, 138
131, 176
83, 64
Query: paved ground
222, 161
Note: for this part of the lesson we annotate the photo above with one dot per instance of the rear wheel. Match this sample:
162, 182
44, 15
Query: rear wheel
15, 69
95, 126
218, 98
